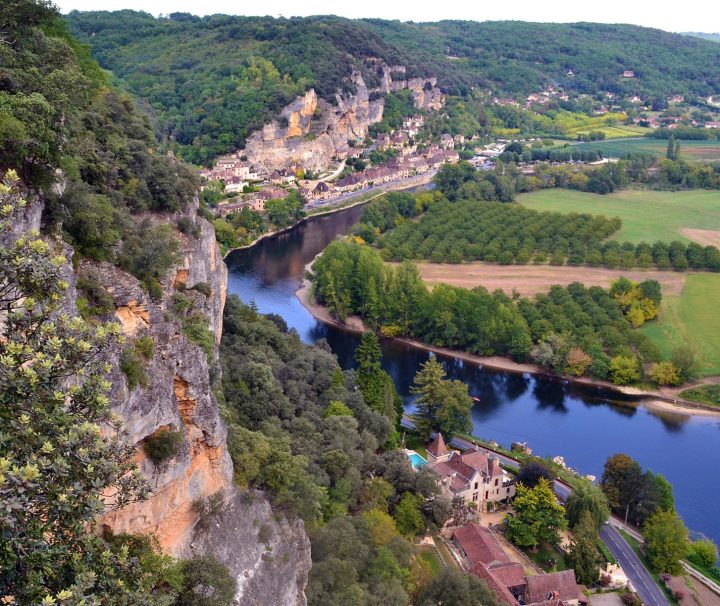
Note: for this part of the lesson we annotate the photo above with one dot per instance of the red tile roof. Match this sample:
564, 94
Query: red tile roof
437, 446
543, 586
509, 574
501, 592
480, 545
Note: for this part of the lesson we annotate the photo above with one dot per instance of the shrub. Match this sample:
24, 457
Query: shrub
145, 346
181, 303
208, 508
195, 328
207, 583
98, 299
163, 445
577, 362
624, 370
265, 534
189, 227
665, 373
133, 367
704, 553
204, 288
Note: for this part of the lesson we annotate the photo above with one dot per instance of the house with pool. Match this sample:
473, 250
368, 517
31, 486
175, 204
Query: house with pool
473, 475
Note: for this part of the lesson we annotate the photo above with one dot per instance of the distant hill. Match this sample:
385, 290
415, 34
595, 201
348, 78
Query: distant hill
213, 80
713, 37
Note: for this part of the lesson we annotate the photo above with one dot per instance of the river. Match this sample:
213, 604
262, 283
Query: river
583, 424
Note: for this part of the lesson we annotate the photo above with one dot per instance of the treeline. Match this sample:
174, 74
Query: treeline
570, 330
470, 230
323, 443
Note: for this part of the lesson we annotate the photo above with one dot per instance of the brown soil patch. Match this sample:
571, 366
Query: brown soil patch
706, 237
529, 280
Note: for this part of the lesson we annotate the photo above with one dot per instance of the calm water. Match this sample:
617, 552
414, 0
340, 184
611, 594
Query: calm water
585, 425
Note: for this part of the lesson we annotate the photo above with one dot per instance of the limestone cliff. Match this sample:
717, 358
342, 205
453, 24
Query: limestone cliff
316, 131
272, 567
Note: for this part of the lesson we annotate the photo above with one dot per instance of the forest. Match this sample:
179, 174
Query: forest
211, 81
570, 330
323, 443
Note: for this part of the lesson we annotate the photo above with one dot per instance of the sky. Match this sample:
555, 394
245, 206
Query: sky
690, 15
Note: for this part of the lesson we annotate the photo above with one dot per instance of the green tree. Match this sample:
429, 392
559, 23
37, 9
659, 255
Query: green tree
442, 405
57, 468
408, 516
666, 542
704, 553
538, 516
583, 554
624, 370
454, 587
621, 482
381, 526
207, 583
587, 497
375, 384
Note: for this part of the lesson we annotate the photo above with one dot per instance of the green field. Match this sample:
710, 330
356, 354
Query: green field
619, 131
691, 318
691, 150
646, 215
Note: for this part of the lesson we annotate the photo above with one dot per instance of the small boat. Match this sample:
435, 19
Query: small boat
476, 399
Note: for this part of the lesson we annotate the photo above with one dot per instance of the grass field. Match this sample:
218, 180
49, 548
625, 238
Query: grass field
619, 131
691, 150
691, 318
646, 215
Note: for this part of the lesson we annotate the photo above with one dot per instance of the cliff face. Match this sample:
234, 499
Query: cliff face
317, 131
271, 568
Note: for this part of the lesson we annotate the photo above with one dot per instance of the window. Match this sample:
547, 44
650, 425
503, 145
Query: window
476, 485
496, 481
487, 495
475, 496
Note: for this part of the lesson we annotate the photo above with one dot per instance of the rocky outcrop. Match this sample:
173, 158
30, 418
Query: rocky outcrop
312, 132
273, 561
268, 554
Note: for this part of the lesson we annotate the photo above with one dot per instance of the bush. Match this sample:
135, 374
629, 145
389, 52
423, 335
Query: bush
195, 328
624, 370
665, 373
704, 553
265, 534
204, 288
145, 346
163, 445
189, 227
98, 299
133, 367
207, 583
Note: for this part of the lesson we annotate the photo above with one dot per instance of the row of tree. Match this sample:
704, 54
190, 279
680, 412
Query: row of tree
570, 330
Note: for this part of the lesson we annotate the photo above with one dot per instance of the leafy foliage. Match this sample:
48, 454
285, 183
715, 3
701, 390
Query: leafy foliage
666, 541
538, 516
163, 445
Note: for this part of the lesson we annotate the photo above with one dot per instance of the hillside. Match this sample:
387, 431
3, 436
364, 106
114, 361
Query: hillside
212, 81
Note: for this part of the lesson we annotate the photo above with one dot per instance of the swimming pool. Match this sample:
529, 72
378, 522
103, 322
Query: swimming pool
416, 460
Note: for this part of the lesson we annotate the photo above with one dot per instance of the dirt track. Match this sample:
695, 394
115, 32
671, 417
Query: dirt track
706, 237
532, 279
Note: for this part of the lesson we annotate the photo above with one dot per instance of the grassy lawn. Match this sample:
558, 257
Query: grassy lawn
445, 553
690, 150
547, 557
618, 131
427, 555
691, 318
705, 394
646, 215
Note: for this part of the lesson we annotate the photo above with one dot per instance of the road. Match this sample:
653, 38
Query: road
644, 584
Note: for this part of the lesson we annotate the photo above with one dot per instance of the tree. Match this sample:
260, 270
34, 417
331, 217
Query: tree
454, 587
624, 370
583, 554
685, 360
375, 384
538, 516
665, 373
442, 406
587, 498
621, 481
703, 552
381, 526
58, 470
666, 542
408, 517
532, 472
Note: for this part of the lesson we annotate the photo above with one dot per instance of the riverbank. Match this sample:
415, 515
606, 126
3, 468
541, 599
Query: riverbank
654, 401
409, 183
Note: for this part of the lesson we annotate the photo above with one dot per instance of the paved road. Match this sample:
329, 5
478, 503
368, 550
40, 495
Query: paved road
644, 584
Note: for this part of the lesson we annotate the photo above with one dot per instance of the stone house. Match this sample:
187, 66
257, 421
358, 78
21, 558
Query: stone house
472, 475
